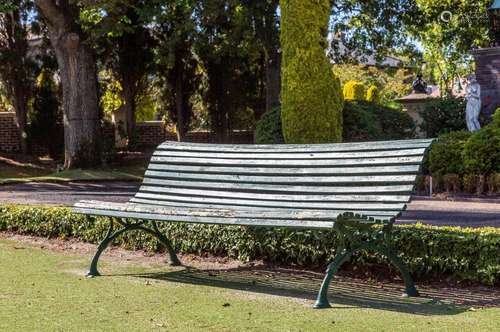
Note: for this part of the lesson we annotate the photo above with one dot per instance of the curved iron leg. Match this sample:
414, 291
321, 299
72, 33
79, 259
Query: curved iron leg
333, 267
410, 289
93, 272
173, 260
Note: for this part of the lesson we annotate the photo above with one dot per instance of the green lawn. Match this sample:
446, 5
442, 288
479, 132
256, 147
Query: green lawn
11, 173
44, 291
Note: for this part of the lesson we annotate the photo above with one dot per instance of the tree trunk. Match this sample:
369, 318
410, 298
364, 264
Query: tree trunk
180, 126
128, 107
78, 74
273, 79
21, 121
15, 69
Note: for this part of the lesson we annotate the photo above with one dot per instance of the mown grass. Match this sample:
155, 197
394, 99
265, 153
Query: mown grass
44, 291
11, 174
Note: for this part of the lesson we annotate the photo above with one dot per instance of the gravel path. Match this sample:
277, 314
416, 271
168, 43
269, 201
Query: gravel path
435, 212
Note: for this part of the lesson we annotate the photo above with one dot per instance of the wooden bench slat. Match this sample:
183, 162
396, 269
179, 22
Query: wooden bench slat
415, 160
221, 213
182, 183
306, 148
323, 180
292, 156
255, 202
278, 210
275, 197
306, 224
353, 170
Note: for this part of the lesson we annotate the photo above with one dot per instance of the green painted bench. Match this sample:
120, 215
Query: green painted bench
356, 189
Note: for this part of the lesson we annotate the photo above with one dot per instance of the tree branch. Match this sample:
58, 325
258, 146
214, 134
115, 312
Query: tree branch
51, 11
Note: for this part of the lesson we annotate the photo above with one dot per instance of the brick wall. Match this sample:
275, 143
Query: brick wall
9, 136
488, 76
153, 133
149, 134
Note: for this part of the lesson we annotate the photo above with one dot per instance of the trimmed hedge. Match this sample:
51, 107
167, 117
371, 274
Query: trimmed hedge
364, 121
430, 252
268, 128
311, 96
373, 94
354, 90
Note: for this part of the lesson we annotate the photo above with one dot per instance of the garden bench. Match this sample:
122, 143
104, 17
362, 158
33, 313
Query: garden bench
356, 189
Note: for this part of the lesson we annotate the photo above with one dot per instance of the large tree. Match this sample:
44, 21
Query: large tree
229, 52
16, 67
77, 69
177, 65
120, 30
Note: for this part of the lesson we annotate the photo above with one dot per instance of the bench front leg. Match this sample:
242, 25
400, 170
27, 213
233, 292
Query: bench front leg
110, 236
341, 256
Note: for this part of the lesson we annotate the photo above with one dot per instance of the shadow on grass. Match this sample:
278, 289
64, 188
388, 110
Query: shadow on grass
343, 291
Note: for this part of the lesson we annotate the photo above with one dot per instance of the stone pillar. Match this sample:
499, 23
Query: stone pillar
414, 104
488, 76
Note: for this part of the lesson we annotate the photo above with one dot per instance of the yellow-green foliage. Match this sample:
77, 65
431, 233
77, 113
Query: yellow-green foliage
354, 90
392, 82
373, 94
311, 98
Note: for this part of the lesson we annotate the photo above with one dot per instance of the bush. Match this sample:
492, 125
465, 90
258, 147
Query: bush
443, 115
373, 94
365, 121
430, 251
46, 127
311, 97
268, 128
445, 155
354, 90
391, 81
482, 151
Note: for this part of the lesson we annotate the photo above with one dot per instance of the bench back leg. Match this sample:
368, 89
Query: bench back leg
343, 256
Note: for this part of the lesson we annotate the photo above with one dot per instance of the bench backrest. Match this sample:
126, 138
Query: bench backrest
374, 178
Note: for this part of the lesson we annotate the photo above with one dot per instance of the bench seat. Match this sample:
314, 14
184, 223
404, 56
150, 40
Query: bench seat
294, 218
347, 187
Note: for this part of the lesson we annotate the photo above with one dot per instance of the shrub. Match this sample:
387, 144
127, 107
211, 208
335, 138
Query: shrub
311, 97
391, 81
46, 127
445, 155
365, 121
373, 94
482, 151
268, 128
443, 115
430, 251
494, 183
354, 90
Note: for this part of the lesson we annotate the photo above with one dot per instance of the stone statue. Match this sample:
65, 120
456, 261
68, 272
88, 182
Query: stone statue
419, 85
473, 96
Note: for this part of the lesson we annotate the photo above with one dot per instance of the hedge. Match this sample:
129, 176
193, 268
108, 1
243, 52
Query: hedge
467, 254
311, 96
354, 90
268, 128
373, 94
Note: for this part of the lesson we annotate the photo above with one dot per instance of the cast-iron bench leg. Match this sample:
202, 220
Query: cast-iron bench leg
110, 236
173, 260
340, 258
410, 289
